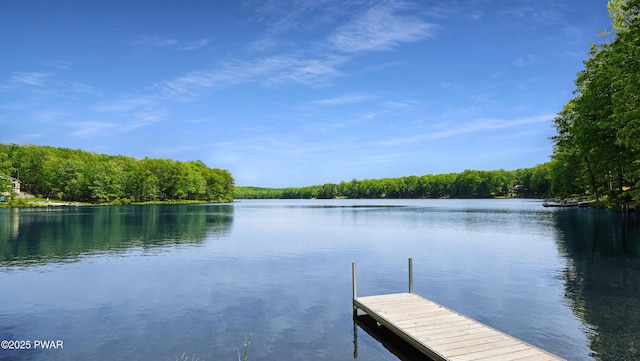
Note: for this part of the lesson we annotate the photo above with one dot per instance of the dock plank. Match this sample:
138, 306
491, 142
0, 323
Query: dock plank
469, 340
444, 334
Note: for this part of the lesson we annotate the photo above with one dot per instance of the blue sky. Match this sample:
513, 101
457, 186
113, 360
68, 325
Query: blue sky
296, 92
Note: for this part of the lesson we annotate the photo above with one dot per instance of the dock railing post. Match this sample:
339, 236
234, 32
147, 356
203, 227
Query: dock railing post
410, 275
353, 279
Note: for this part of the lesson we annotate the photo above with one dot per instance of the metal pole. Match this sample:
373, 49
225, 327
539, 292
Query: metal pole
353, 278
410, 275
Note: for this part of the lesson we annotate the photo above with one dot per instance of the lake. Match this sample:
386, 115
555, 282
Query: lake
162, 281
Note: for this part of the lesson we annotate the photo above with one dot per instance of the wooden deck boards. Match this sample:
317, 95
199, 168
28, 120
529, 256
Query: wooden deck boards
443, 334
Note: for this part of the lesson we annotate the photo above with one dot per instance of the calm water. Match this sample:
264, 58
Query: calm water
154, 282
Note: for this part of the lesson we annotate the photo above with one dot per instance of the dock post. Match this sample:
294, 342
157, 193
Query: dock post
410, 275
353, 279
355, 311
355, 339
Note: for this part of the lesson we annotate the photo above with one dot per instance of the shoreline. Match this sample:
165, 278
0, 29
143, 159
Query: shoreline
42, 204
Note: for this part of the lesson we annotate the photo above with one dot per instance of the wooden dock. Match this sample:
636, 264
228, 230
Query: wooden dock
441, 333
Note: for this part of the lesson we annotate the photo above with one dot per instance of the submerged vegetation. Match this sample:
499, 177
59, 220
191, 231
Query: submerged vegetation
79, 176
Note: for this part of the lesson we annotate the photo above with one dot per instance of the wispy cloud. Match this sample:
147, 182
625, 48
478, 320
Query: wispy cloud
21, 137
271, 70
58, 64
264, 44
126, 104
48, 84
380, 28
92, 128
518, 12
378, 159
49, 116
193, 45
286, 145
82, 88
377, 25
526, 60
102, 128
140, 119
572, 54
299, 15
476, 126
358, 116
535, 12
191, 85
154, 42
476, 15
31, 78
345, 99
169, 43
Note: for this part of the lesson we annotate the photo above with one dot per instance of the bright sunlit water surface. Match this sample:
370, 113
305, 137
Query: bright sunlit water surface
157, 282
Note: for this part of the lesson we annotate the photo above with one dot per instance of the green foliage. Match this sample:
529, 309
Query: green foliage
622, 13
533, 182
76, 175
598, 142
6, 186
6, 167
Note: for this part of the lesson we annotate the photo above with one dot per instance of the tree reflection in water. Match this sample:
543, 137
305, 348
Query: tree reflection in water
602, 277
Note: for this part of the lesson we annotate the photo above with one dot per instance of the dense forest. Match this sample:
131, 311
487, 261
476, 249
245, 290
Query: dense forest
597, 146
529, 182
76, 175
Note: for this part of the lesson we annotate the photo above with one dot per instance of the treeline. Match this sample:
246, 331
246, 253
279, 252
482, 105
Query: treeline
597, 148
529, 182
76, 175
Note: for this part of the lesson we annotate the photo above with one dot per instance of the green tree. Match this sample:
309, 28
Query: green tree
6, 166
82, 176
6, 187
541, 180
466, 184
622, 13
598, 139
